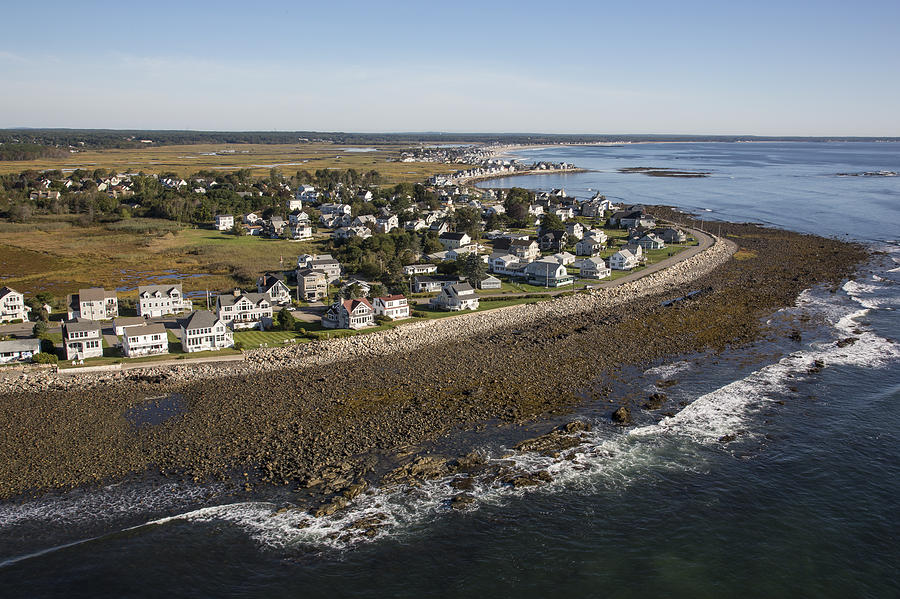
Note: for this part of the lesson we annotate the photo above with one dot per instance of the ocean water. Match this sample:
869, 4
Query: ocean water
803, 502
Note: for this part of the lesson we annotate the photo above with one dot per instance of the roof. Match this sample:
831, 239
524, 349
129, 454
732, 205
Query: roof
305, 272
351, 304
199, 319
391, 298
230, 299
79, 325
128, 321
146, 329
522, 242
4, 291
455, 236
462, 288
93, 294
162, 288
18, 345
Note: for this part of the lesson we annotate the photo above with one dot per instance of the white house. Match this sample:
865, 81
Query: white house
623, 260
452, 241
145, 340
202, 331
575, 229
349, 314
490, 282
589, 246
594, 268
245, 310
18, 350
386, 224
301, 230
307, 193
525, 250
94, 303
294, 203
459, 296
548, 273
12, 305
82, 339
392, 306
337, 209
275, 286
159, 300
122, 323
651, 242
224, 222
419, 269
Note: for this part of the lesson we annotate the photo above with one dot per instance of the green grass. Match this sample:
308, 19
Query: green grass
254, 339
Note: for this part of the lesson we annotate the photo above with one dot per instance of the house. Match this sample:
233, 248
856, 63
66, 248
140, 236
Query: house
245, 310
122, 323
553, 241
431, 284
275, 286
503, 264
651, 242
159, 300
419, 269
564, 212
415, 225
336, 209
82, 339
298, 218
275, 226
362, 287
349, 314
351, 232
323, 262
452, 241
459, 296
312, 285
590, 246
145, 340
564, 258
251, 218
575, 229
202, 331
623, 260
548, 273
490, 282
594, 268
294, 203
670, 235
224, 222
12, 305
94, 303
440, 227
307, 193
387, 224
301, 231
254, 230
631, 218
635, 249
525, 250
393, 306
18, 350
536, 210
363, 220
364, 195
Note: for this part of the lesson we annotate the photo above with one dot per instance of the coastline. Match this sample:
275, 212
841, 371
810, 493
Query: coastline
372, 396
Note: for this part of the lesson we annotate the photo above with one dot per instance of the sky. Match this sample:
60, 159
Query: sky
749, 68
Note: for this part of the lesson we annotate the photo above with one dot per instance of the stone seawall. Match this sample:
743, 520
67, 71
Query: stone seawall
408, 337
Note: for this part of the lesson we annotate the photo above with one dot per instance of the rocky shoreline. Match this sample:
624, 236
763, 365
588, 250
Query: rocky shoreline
325, 421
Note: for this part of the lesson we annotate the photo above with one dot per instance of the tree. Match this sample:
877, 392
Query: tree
473, 268
551, 222
284, 320
237, 228
356, 291
39, 329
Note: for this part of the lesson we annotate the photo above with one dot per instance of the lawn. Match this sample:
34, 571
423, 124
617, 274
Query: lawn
253, 339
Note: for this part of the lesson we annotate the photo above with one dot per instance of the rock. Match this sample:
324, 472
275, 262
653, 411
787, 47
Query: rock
463, 484
461, 501
655, 401
355, 489
726, 438
847, 341
795, 336
622, 416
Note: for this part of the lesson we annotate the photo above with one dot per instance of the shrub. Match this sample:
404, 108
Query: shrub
44, 358
418, 314
239, 345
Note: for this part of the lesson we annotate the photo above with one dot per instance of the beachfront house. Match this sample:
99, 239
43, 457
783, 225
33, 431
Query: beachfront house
94, 303
202, 331
82, 339
490, 282
224, 222
275, 286
148, 339
18, 350
124, 322
349, 314
459, 296
547, 272
651, 242
594, 268
12, 306
394, 307
159, 300
623, 260
245, 310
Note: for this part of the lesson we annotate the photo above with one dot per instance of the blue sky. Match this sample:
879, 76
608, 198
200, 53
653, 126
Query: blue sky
766, 68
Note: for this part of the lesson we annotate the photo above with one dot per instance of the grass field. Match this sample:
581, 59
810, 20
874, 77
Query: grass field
289, 158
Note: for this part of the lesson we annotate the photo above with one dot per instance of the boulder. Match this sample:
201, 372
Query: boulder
622, 416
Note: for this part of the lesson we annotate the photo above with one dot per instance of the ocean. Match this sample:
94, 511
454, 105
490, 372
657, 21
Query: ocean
802, 503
